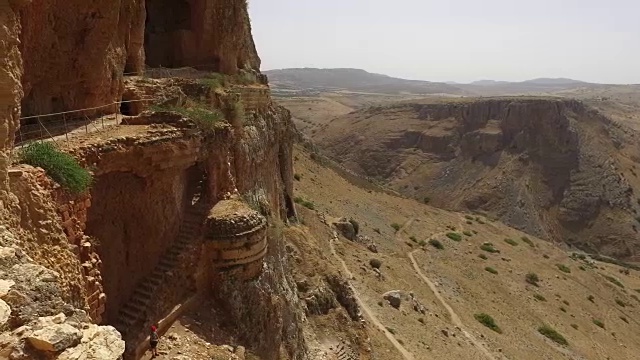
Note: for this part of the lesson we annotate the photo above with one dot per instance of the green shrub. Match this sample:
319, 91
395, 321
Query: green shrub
528, 241
308, 204
624, 319
454, 236
582, 268
553, 335
480, 221
488, 321
575, 326
298, 177
563, 309
489, 248
545, 256
61, 167
422, 243
204, 118
413, 238
427, 200
598, 323
532, 278
375, 263
436, 244
482, 256
213, 80
511, 242
356, 225
621, 303
474, 232
396, 227
614, 280
563, 268
591, 298
469, 222
565, 302
491, 270
391, 330
377, 230
467, 233
539, 297
468, 217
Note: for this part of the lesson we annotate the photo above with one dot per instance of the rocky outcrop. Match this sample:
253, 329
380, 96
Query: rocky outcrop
551, 167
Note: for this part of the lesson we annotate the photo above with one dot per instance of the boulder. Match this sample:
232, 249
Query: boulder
345, 227
98, 343
5, 286
5, 312
394, 298
55, 338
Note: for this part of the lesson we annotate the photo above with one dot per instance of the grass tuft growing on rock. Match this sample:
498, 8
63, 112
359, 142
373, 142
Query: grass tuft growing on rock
532, 278
553, 335
488, 321
61, 167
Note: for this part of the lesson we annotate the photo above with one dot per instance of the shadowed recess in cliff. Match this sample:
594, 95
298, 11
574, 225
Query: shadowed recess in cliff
135, 220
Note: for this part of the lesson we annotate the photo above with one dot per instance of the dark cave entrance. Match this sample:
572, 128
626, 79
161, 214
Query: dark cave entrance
125, 108
168, 33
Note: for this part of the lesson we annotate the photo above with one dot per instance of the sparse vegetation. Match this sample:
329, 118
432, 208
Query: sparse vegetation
491, 270
621, 303
488, 247
565, 302
391, 330
563, 268
532, 278
467, 233
624, 319
61, 167
469, 222
539, 297
575, 326
511, 242
488, 321
375, 263
298, 177
563, 309
482, 256
614, 280
427, 200
454, 236
308, 204
396, 227
591, 298
545, 256
413, 238
598, 323
204, 118
436, 244
528, 241
422, 243
468, 217
582, 268
213, 80
552, 335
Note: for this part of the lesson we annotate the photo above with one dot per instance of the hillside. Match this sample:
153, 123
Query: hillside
551, 167
440, 299
352, 80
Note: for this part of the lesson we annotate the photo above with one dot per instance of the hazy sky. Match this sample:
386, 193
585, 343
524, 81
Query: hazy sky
458, 40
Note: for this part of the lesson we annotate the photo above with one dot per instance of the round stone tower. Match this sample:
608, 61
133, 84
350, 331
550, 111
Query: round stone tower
236, 239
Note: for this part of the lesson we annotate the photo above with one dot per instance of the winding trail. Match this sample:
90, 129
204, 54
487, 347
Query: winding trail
405, 354
455, 319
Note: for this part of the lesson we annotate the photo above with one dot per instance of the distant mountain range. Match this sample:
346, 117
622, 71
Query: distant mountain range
357, 80
354, 80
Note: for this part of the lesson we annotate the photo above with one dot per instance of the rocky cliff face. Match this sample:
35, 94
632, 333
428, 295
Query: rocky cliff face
76, 52
553, 168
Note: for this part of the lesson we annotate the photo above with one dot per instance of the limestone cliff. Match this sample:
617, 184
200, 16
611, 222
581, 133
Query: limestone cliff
554, 168
76, 52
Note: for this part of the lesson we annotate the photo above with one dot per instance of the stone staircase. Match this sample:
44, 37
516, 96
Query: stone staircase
134, 312
344, 352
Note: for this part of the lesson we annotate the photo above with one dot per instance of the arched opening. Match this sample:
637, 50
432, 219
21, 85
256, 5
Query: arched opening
125, 108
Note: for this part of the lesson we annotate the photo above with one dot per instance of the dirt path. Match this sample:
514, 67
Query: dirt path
455, 319
405, 354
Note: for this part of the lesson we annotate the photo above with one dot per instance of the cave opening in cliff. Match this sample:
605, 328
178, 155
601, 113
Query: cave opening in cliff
168, 33
135, 220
